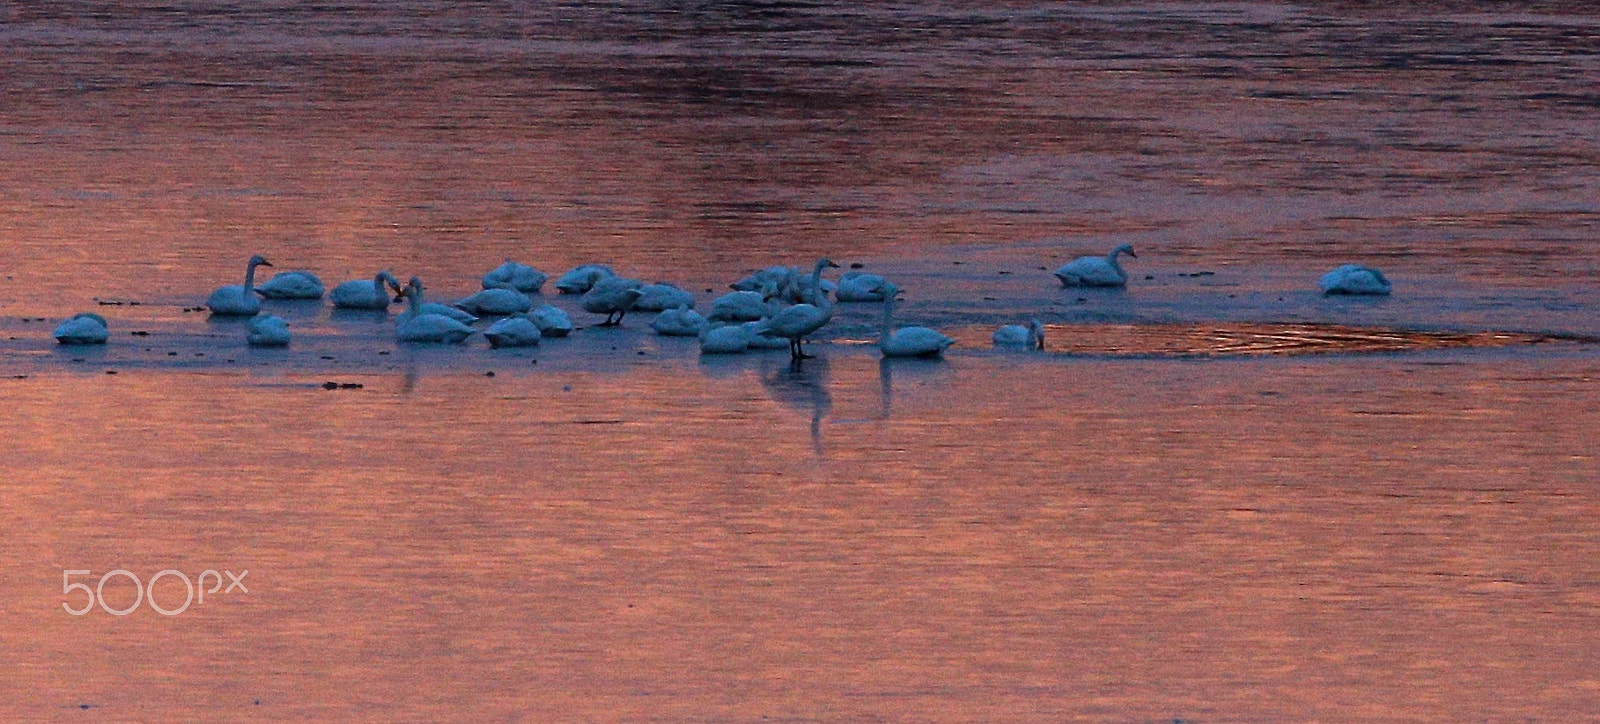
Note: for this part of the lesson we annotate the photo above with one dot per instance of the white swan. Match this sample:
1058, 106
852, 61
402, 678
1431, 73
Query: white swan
496, 301
680, 322
857, 286
580, 279
1355, 279
512, 275
513, 332
661, 296
552, 321
83, 328
757, 332
908, 341
778, 277
365, 294
237, 300
1016, 335
798, 321
298, 284
743, 306
1095, 271
613, 297
268, 331
414, 325
427, 307
725, 339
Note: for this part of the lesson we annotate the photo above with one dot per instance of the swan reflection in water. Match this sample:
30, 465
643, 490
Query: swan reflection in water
802, 387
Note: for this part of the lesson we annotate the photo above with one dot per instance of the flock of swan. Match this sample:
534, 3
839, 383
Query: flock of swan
774, 308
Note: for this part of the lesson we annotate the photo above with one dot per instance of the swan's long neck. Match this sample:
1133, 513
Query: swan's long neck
1112, 260
377, 285
414, 301
250, 278
816, 274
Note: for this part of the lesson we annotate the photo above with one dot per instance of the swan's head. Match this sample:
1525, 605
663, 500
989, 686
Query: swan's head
826, 263
1125, 249
259, 260
387, 278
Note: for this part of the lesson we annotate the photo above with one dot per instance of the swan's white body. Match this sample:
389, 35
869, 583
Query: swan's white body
908, 341
613, 297
661, 296
581, 279
414, 325
860, 287
513, 332
777, 277
758, 339
448, 311
496, 301
268, 331
1016, 335
1096, 271
728, 339
795, 322
83, 328
299, 284
236, 300
741, 306
511, 275
552, 321
680, 322
364, 293
1355, 279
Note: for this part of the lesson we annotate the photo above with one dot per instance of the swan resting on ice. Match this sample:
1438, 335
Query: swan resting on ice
1355, 279
1096, 271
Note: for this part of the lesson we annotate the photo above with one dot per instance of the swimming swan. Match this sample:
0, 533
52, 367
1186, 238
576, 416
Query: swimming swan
237, 300
413, 325
516, 331
1095, 271
364, 294
908, 341
1355, 279
83, 328
511, 275
268, 331
1016, 335
298, 284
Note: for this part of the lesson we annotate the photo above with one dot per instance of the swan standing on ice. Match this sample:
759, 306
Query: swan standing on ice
580, 279
552, 321
414, 325
237, 300
1355, 279
364, 294
83, 328
268, 331
298, 284
680, 322
661, 296
798, 321
516, 331
1095, 271
613, 297
908, 341
511, 275
1016, 335
496, 301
